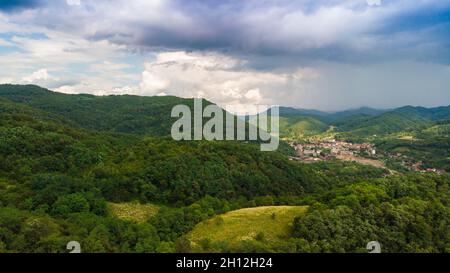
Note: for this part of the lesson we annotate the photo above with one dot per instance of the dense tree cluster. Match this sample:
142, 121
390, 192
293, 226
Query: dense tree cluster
404, 214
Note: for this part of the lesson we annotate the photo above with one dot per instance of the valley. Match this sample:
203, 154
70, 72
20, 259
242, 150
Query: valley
255, 130
399, 139
104, 171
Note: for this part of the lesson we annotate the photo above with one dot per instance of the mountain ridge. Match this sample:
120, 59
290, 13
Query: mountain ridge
152, 115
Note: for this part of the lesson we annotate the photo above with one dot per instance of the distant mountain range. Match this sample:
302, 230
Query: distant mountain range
362, 121
151, 115
290, 111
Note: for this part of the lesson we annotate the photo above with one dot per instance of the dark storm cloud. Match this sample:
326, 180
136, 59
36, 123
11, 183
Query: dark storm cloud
297, 30
11, 5
303, 30
329, 54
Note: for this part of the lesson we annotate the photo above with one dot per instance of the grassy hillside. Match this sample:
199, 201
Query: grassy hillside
267, 227
300, 126
441, 129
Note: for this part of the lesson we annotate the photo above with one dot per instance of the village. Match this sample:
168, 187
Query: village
364, 153
329, 149
413, 165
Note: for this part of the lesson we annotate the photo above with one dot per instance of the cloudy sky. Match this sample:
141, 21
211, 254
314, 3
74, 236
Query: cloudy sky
327, 55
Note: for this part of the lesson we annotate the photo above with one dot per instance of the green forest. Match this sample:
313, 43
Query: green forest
65, 158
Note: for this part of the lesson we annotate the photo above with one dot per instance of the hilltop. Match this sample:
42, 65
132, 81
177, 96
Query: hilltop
262, 227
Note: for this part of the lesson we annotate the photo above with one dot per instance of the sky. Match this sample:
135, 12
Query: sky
328, 55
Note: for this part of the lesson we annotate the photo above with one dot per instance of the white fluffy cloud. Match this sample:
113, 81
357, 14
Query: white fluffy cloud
217, 77
73, 2
62, 61
67, 89
40, 75
152, 83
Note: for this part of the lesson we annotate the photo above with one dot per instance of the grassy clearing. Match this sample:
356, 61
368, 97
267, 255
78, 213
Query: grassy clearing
362, 160
267, 225
133, 211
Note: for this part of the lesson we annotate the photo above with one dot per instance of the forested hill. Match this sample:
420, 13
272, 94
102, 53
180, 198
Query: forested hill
124, 114
47, 159
43, 146
151, 115
361, 123
65, 158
